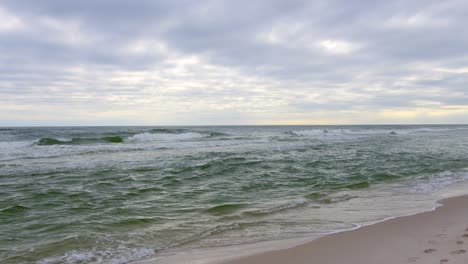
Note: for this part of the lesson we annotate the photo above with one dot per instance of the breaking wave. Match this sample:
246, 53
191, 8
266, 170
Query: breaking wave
119, 255
363, 131
143, 137
173, 134
159, 134
77, 141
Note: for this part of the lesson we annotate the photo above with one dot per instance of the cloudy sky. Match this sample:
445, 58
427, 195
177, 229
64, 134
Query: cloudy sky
148, 62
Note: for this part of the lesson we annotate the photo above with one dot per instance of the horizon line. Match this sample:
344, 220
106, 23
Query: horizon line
277, 125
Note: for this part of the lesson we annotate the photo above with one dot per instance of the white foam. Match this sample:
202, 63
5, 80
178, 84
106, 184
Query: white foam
441, 129
439, 181
14, 144
145, 137
386, 130
10, 150
119, 256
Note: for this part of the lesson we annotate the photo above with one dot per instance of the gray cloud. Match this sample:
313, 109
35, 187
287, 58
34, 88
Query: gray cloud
260, 61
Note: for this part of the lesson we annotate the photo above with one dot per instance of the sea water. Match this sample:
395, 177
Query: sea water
122, 194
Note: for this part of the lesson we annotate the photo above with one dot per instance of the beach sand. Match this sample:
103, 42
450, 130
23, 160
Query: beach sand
439, 236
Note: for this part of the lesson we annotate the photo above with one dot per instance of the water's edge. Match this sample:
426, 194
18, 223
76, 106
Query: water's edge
222, 254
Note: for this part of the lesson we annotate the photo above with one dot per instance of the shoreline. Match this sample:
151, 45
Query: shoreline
436, 236
274, 251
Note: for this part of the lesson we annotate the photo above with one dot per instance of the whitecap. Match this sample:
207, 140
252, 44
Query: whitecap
145, 137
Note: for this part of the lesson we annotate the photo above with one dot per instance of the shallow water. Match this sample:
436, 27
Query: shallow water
118, 194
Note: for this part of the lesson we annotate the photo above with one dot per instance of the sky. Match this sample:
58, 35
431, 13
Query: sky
266, 62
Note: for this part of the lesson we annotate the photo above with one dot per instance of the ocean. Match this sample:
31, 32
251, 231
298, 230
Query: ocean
122, 194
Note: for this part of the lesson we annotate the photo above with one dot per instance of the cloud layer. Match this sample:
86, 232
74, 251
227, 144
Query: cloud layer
233, 62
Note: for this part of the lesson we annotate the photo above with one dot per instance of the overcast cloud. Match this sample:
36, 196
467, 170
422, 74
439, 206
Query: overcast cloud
114, 62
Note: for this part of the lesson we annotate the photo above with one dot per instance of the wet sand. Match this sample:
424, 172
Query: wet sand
439, 236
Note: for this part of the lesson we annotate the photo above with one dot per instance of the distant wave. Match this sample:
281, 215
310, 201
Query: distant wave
173, 134
316, 132
149, 135
143, 137
76, 141
185, 131
385, 130
168, 130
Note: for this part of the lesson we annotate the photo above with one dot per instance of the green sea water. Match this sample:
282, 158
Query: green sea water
121, 194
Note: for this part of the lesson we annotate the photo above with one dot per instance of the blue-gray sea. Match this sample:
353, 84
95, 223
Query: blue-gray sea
121, 194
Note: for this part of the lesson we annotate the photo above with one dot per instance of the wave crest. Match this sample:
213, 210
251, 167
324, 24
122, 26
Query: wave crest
144, 137
76, 141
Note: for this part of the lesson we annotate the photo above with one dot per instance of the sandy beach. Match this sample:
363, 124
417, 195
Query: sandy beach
439, 236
